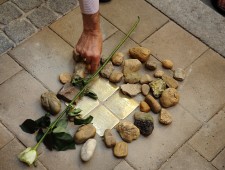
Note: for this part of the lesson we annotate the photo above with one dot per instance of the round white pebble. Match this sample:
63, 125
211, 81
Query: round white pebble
88, 149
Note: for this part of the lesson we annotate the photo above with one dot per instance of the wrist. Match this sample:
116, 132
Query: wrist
91, 23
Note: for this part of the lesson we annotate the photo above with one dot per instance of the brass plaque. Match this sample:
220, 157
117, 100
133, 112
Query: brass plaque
103, 88
121, 105
103, 119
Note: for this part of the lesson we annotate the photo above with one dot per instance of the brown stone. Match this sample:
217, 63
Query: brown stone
154, 104
109, 139
121, 150
145, 88
179, 74
145, 79
168, 64
170, 81
118, 59
151, 65
165, 117
84, 133
67, 92
158, 74
140, 53
116, 76
131, 89
65, 78
144, 107
169, 97
107, 70
131, 69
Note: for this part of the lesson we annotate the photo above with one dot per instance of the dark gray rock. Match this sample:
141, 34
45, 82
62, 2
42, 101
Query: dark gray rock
42, 17
151, 65
67, 92
27, 5
19, 30
5, 43
62, 7
8, 12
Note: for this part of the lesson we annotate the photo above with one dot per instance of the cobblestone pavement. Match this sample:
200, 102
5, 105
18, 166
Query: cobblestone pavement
43, 48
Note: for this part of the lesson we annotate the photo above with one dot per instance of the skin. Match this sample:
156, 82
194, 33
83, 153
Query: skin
221, 4
89, 45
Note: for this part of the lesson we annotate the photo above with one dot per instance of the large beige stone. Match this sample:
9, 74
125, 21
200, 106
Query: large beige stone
121, 149
170, 97
140, 53
84, 133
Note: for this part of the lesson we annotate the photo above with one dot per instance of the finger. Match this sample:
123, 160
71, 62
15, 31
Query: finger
95, 64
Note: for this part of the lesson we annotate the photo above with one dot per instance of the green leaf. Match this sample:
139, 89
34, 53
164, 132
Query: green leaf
59, 129
39, 135
91, 94
75, 112
44, 121
78, 121
29, 126
63, 141
62, 123
49, 141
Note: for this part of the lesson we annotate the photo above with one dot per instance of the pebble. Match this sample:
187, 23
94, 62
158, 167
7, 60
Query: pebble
158, 74
157, 86
168, 64
117, 59
179, 74
151, 65
77, 57
131, 89
84, 133
170, 81
67, 92
128, 131
144, 107
88, 149
170, 97
145, 79
145, 89
120, 150
80, 70
165, 117
153, 103
144, 122
50, 103
140, 53
109, 139
65, 78
116, 76
107, 70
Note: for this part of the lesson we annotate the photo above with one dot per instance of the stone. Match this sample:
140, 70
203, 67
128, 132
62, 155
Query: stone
62, 7
131, 89
170, 81
170, 97
88, 149
50, 103
157, 87
128, 131
27, 5
120, 150
80, 70
19, 30
165, 117
179, 74
145, 88
65, 78
107, 70
77, 57
84, 133
168, 64
151, 65
140, 53
116, 76
144, 107
131, 69
67, 92
158, 74
117, 59
145, 79
109, 139
8, 13
42, 16
153, 103
144, 122
6, 44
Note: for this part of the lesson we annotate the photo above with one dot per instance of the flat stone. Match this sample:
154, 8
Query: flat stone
116, 76
62, 7
187, 158
8, 67
209, 139
2, 1
6, 136
151, 65
165, 117
145, 79
131, 89
151, 19
179, 74
84, 133
170, 81
42, 16
19, 30
121, 149
88, 149
6, 44
158, 73
67, 92
8, 13
140, 53
145, 89
109, 139
27, 5
123, 165
107, 70
171, 41
219, 161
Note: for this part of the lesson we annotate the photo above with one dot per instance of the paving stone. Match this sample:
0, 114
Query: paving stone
22, 102
124, 13
174, 43
102, 159
9, 160
19, 30
8, 12
203, 90
219, 161
5, 43
46, 56
8, 67
2, 1
42, 16
70, 27
209, 141
27, 5
62, 7
187, 158
123, 165
6, 136
163, 141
